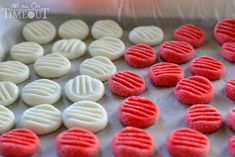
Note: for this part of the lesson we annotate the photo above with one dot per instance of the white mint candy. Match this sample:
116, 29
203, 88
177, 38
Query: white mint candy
41, 119
52, 65
104, 28
109, 47
98, 67
41, 31
74, 29
26, 52
14, 71
7, 119
87, 115
70, 48
84, 87
42, 91
9, 92
150, 35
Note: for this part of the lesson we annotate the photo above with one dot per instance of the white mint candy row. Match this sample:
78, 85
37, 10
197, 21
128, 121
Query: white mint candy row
43, 31
45, 118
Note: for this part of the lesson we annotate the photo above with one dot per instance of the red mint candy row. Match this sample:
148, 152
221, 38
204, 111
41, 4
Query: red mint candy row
190, 34
178, 52
194, 90
19, 143
138, 112
187, 142
77, 142
140, 55
133, 142
165, 74
203, 118
224, 31
126, 83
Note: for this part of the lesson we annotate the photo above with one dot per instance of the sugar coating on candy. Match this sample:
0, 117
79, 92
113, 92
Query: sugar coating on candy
19, 143
194, 90
84, 87
133, 142
77, 142
178, 52
126, 83
203, 118
41, 91
41, 31
231, 146
230, 89
224, 31
228, 51
26, 52
53, 65
140, 55
9, 92
109, 47
230, 120
73, 29
165, 74
187, 141
41, 119
70, 48
106, 28
207, 67
150, 35
86, 114
98, 67
7, 119
138, 112
190, 34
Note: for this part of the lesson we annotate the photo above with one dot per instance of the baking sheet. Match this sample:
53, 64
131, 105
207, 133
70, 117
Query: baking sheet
172, 112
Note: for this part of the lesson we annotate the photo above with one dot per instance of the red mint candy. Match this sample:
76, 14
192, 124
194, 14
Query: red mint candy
207, 67
133, 142
228, 51
187, 142
190, 34
224, 31
140, 55
230, 120
19, 143
203, 118
165, 74
77, 142
231, 146
138, 112
194, 90
126, 83
178, 52
230, 89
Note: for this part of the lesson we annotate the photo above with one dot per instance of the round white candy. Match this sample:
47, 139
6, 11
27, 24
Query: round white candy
74, 29
150, 35
70, 48
84, 87
41, 119
103, 28
52, 65
98, 67
87, 115
26, 52
9, 92
109, 47
41, 31
7, 119
13, 71
42, 91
